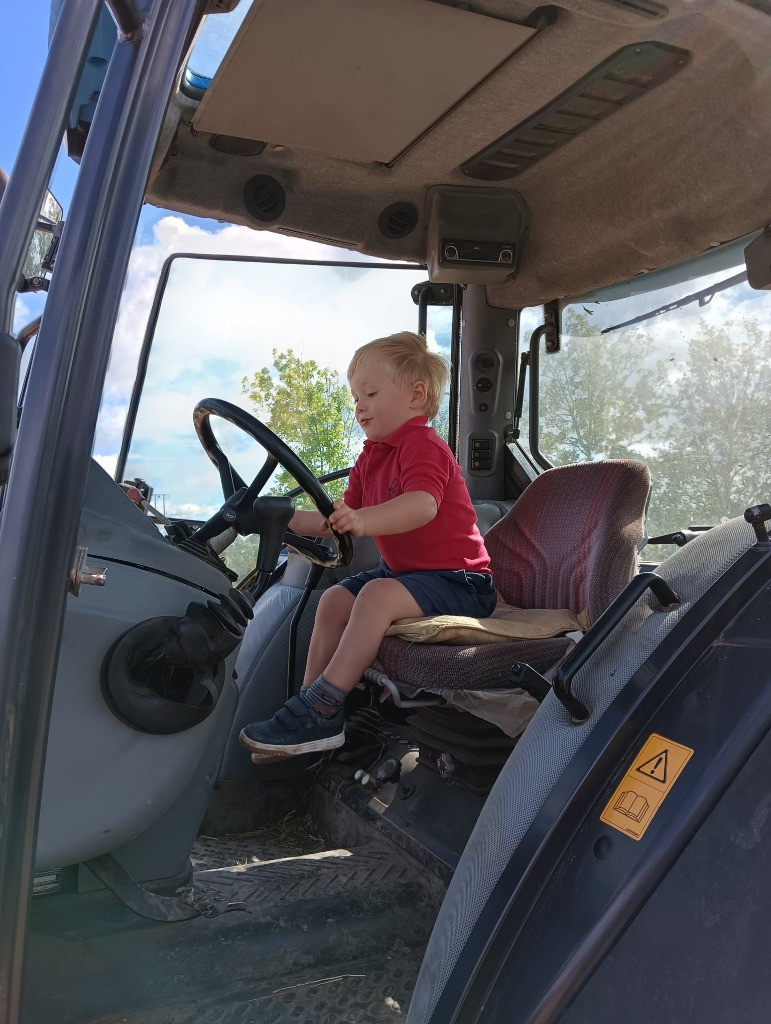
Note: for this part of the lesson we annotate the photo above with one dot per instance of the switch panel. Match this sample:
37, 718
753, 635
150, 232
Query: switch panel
482, 450
485, 377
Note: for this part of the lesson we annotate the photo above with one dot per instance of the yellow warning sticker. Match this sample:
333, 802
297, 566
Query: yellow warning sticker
641, 792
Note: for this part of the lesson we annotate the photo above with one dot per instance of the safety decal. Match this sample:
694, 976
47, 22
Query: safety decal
649, 778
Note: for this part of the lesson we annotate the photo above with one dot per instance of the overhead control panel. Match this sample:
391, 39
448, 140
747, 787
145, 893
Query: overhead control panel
475, 235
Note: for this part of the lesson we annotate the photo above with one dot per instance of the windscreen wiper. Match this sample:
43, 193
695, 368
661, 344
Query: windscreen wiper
705, 296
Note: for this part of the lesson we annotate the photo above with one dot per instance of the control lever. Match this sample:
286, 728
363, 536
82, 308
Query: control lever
228, 517
679, 537
530, 680
271, 517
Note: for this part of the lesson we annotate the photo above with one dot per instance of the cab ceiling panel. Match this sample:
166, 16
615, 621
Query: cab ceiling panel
652, 182
355, 79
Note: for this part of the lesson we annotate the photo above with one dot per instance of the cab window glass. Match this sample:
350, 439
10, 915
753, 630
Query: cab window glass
276, 340
439, 335
687, 390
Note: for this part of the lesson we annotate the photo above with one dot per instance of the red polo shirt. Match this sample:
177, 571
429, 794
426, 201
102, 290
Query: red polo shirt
415, 458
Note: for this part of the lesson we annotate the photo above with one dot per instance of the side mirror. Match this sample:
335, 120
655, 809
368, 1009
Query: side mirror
50, 215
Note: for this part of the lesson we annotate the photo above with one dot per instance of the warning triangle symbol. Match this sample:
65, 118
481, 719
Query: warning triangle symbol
655, 767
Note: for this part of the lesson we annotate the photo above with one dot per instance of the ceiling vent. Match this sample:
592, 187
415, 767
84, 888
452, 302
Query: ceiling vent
645, 8
236, 147
264, 198
630, 73
397, 220
764, 6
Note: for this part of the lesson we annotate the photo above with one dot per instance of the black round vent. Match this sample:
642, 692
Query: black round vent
397, 220
264, 198
235, 146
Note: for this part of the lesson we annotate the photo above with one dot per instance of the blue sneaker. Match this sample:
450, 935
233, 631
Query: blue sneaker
294, 729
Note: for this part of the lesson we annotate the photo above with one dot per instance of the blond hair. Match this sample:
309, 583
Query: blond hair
407, 359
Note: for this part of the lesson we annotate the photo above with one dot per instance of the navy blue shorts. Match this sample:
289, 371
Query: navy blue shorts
441, 592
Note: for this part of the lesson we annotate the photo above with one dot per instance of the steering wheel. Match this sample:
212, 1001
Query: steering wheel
245, 511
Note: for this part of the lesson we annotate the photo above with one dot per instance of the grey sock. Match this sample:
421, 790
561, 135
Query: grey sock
323, 697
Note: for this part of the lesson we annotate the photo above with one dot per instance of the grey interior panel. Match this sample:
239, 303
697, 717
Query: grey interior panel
114, 528
106, 782
550, 742
163, 850
261, 671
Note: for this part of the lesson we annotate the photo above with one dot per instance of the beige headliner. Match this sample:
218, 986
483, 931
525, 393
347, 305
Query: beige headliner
679, 170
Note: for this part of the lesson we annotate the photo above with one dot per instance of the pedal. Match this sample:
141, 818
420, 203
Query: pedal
267, 758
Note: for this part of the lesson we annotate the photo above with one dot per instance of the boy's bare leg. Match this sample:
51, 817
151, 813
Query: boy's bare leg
378, 604
320, 725
332, 615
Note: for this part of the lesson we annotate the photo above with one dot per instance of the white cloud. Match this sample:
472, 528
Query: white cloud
220, 321
107, 462
189, 510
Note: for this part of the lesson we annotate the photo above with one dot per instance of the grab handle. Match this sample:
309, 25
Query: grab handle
597, 633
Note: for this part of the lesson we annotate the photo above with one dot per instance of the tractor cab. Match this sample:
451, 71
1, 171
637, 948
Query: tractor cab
553, 814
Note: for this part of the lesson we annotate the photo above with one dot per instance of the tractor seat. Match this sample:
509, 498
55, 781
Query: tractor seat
569, 542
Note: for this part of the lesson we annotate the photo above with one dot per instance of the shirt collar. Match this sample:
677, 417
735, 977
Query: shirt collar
393, 440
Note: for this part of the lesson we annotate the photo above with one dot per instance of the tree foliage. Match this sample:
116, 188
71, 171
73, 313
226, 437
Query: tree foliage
714, 461
700, 422
309, 406
591, 395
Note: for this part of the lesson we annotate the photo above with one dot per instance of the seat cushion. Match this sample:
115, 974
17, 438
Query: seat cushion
503, 625
440, 667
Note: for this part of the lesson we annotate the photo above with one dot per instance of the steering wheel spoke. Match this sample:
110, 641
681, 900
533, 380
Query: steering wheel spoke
309, 547
229, 479
254, 489
278, 454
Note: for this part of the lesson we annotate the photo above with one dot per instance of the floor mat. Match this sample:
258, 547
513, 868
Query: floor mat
331, 935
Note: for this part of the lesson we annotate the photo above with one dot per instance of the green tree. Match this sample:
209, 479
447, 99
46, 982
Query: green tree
714, 463
701, 423
441, 422
601, 397
309, 406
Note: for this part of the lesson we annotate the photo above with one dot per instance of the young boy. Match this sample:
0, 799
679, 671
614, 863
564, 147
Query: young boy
405, 491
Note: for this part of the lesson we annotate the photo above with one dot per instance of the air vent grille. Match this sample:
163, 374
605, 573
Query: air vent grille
764, 6
397, 220
645, 8
235, 146
630, 73
264, 198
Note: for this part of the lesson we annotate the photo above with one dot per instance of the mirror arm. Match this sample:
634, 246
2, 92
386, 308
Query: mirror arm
26, 334
50, 257
33, 284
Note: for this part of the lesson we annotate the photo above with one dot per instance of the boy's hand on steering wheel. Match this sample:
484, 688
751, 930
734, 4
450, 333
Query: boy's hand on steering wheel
346, 520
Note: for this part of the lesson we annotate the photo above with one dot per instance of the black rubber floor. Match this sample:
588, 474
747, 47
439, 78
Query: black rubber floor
321, 937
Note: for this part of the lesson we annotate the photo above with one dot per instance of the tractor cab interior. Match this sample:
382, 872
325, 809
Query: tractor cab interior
569, 203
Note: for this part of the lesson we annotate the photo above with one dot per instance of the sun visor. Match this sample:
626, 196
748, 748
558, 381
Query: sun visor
355, 79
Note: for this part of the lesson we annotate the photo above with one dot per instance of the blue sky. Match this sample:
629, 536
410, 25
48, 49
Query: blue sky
23, 49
